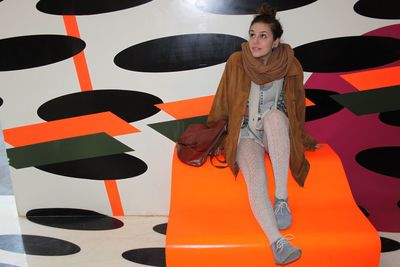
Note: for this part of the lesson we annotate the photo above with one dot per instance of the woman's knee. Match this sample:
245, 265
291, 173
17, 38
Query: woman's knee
274, 117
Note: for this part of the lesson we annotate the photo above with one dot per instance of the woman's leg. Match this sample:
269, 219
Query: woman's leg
276, 142
250, 157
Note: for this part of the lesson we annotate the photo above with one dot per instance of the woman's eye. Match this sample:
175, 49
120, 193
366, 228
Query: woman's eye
252, 35
264, 36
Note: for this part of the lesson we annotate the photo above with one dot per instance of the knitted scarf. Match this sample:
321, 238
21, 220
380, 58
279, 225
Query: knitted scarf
275, 68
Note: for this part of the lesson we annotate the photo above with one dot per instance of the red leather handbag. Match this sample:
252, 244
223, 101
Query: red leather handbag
199, 141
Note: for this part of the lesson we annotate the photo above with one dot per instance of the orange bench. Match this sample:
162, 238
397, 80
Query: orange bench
211, 223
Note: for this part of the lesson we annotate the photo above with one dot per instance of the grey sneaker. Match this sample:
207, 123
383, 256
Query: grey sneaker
284, 252
282, 213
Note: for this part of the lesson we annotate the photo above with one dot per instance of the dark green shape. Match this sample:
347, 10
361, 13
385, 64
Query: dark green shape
173, 129
371, 101
82, 147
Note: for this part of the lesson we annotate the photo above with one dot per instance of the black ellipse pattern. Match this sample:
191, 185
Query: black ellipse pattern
31, 51
388, 245
85, 7
348, 53
73, 219
245, 7
128, 105
146, 256
398, 203
113, 167
383, 160
390, 117
179, 53
37, 245
161, 228
383, 9
366, 213
324, 104
1, 101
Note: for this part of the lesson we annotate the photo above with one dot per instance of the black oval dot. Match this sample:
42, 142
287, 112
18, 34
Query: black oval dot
388, 245
324, 104
128, 105
147, 256
242, 7
383, 160
1, 101
87, 7
112, 167
398, 203
384, 9
178, 53
73, 219
37, 245
366, 213
390, 117
161, 228
31, 51
348, 53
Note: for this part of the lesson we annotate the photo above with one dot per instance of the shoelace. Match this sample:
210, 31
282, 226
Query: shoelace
283, 241
281, 206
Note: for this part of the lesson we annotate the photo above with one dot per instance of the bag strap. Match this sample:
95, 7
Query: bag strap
218, 166
216, 151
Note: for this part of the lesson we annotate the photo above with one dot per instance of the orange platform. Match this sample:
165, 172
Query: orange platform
211, 223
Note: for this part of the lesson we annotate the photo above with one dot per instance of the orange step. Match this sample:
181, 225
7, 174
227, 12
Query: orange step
211, 224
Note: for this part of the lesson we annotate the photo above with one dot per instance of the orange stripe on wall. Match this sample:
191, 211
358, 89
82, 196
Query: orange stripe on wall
113, 196
82, 70
106, 122
373, 79
188, 108
309, 103
85, 83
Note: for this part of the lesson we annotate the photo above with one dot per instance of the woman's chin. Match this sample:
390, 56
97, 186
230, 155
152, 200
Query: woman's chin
258, 56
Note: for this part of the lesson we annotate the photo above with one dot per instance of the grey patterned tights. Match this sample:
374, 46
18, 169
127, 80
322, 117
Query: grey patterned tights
250, 157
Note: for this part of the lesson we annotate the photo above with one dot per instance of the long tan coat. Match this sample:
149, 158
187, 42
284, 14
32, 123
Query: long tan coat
230, 103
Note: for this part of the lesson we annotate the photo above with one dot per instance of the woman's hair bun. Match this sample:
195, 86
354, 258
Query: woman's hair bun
266, 10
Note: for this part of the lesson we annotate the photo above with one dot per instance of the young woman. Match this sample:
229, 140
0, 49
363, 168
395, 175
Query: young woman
261, 94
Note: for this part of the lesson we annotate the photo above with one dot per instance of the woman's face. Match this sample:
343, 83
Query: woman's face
261, 40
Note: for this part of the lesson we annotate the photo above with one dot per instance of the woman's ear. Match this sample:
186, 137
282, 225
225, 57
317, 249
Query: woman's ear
276, 42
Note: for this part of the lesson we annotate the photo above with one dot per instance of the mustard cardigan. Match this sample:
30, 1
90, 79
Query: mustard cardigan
230, 104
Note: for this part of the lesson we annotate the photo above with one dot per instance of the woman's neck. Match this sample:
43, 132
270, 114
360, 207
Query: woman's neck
265, 58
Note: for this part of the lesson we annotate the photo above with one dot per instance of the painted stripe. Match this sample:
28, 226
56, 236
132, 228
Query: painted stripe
372, 79
106, 122
211, 223
69, 149
114, 197
371, 101
82, 70
188, 108
309, 103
